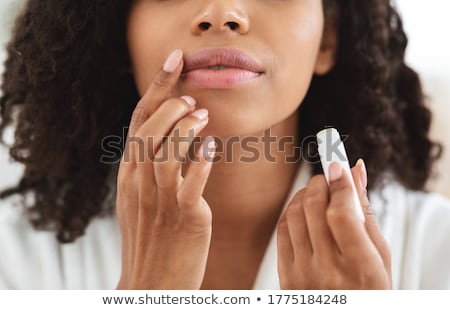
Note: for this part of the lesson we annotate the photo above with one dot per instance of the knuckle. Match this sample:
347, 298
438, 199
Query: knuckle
316, 180
339, 185
176, 105
165, 177
161, 81
163, 168
309, 205
298, 197
167, 188
369, 273
339, 216
345, 191
185, 129
313, 198
180, 103
124, 173
160, 159
200, 173
185, 199
365, 274
147, 198
137, 148
187, 123
125, 182
293, 211
369, 212
140, 114
139, 135
283, 226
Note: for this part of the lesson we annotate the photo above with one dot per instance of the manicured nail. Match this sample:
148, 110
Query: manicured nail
201, 114
212, 146
335, 172
362, 173
191, 101
208, 149
173, 61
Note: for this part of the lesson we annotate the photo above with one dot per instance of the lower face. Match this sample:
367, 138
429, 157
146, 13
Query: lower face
282, 36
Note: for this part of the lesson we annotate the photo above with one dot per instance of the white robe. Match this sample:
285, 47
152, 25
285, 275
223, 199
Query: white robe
415, 224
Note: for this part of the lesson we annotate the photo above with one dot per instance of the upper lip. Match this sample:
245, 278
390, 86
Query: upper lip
228, 57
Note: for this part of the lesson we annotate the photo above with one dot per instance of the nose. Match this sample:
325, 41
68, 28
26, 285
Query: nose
221, 16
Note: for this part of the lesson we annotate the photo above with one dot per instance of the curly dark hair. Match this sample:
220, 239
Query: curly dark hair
67, 86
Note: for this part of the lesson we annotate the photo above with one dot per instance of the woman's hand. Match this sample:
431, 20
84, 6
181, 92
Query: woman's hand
165, 223
322, 244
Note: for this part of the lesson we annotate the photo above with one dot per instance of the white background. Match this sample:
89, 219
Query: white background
427, 24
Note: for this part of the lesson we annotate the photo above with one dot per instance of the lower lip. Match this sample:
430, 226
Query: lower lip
219, 79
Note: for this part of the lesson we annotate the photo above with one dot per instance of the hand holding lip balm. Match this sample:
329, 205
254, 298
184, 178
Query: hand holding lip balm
331, 149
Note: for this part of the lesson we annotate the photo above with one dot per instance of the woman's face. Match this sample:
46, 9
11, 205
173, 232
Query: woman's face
249, 63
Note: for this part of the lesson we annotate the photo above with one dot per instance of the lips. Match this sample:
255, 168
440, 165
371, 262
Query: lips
220, 68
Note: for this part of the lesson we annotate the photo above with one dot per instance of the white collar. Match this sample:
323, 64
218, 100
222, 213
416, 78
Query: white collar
267, 277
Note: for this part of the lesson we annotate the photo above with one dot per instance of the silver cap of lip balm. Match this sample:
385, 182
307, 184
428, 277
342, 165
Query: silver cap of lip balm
331, 149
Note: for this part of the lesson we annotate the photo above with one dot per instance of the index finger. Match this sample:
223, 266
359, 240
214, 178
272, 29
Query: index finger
159, 90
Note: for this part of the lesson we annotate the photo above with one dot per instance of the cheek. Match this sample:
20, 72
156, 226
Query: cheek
297, 50
148, 45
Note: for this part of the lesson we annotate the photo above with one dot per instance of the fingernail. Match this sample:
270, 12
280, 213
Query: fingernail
201, 114
208, 149
335, 172
212, 146
191, 101
173, 61
362, 173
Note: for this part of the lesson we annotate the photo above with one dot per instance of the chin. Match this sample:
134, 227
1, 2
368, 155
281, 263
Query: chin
225, 128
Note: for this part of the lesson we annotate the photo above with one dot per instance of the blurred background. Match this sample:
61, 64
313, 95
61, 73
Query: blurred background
426, 23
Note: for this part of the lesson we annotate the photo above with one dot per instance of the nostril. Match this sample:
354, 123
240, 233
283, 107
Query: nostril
204, 26
232, 25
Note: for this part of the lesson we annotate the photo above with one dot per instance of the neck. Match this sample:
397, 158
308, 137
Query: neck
247, 193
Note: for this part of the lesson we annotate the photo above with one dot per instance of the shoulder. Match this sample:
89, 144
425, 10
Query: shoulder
421, 208
23, 248
14, 223
33, 259
417, 225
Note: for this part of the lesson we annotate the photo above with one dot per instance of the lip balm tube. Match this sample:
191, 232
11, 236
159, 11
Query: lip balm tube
331, 149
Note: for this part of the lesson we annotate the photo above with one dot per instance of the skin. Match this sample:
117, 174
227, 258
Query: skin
167, 210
